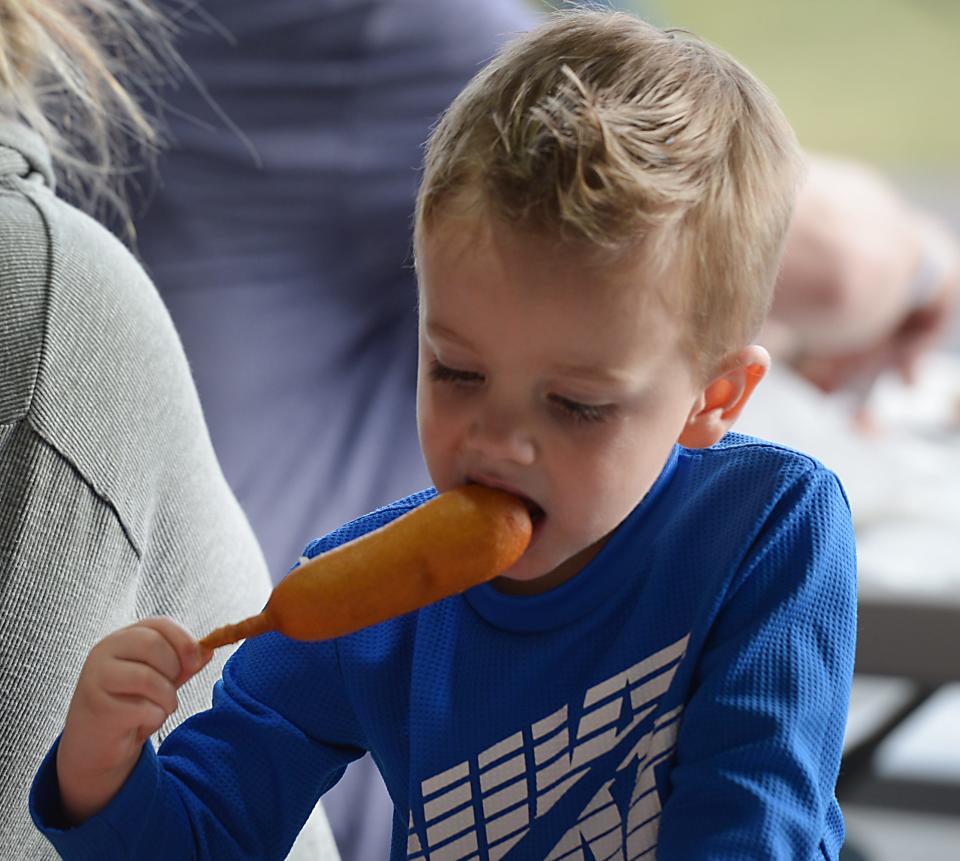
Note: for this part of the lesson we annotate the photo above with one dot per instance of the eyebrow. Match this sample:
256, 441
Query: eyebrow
435, 329
592, 373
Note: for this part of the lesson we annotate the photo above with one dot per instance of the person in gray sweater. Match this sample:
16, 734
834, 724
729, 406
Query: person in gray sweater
112, 502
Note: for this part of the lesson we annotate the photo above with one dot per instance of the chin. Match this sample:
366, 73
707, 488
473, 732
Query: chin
524, 570
550, 570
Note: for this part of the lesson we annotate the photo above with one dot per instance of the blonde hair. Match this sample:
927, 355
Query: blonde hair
79, 73
614, 137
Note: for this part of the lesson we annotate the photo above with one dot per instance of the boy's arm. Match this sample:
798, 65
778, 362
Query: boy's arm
126, 690
760, 741
238, 780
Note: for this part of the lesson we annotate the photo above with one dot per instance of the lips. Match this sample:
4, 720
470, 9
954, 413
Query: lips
537, 514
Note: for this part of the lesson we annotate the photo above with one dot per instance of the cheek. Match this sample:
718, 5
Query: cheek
428, 422
439, 426
603, 483
589, 476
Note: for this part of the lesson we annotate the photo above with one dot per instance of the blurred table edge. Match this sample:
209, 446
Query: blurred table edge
915, 637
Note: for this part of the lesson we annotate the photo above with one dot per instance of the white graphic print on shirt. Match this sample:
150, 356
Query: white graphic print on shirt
597, 774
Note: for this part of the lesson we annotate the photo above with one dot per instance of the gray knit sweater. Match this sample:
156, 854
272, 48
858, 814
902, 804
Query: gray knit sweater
112, 504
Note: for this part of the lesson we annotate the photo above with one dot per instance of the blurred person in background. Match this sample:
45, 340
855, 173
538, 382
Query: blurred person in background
279, 235
869, 284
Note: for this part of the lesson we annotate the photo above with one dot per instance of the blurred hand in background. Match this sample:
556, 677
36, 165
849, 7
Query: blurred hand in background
868, 283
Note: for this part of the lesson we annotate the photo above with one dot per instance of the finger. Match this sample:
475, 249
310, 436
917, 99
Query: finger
144, 731
145, 645
166, 645
184, 643
139, 716
129, 680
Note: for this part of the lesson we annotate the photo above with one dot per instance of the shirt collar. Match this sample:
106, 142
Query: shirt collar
30, 146
621, 559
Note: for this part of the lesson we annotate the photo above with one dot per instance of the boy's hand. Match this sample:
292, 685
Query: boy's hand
126, 690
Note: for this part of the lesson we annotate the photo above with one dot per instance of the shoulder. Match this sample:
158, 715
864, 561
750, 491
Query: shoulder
88, 261
745, 493
110, 356
758, 534
73, 285
24, 274
737, 449
749, 469
112, 392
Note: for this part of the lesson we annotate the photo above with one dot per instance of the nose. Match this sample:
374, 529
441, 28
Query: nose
499, 435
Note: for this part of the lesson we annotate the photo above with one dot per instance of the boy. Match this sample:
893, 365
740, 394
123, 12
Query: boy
665, 671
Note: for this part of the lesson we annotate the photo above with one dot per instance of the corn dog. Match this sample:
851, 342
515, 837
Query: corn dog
456, 540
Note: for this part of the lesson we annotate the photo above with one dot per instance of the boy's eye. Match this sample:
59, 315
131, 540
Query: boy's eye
582, 412
445, 374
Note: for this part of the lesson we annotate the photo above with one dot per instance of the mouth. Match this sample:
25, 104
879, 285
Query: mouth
536, 512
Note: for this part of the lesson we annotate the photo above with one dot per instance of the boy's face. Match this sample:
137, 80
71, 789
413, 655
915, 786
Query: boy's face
562, 382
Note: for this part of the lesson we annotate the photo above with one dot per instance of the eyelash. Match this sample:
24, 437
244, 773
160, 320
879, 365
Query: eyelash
444, 374
581, 413
572, 410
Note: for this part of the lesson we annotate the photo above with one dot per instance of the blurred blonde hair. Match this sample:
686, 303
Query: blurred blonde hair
79, 73
617, 138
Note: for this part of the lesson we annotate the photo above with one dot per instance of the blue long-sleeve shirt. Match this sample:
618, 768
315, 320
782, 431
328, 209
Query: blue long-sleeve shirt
683, 696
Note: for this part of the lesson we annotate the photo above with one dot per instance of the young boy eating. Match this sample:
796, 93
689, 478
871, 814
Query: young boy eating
665, 671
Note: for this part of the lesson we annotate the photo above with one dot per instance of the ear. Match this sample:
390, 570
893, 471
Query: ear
724, 397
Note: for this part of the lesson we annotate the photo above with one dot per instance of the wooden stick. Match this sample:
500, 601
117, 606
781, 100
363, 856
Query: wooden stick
243, 630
